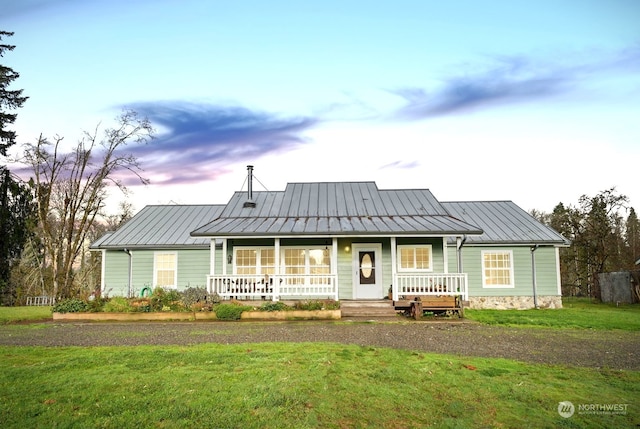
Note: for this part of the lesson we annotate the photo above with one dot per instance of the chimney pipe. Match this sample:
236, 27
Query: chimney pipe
249, 202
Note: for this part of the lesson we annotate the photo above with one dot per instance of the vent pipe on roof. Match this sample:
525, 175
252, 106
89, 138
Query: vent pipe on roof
249, 202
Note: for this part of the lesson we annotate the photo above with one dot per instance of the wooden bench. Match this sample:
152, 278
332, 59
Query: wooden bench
414, 306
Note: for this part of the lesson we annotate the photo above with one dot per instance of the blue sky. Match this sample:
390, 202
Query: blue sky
535, 102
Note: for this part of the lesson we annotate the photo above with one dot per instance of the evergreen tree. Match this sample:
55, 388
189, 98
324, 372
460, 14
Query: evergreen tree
15, 197
8, 99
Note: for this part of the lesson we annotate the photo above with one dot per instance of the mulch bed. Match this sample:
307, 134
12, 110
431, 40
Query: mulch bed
573, 347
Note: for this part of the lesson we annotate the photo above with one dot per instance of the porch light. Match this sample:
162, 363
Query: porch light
229, 258
347, 249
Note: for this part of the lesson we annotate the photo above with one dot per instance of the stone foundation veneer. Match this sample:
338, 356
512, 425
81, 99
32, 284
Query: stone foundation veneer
512, 302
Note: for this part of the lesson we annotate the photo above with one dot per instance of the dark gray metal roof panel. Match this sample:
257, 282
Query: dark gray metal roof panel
336, 208
503, 222
161, 227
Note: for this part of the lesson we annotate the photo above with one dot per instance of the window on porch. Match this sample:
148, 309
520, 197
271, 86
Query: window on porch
415, 258
260, 261
303, 261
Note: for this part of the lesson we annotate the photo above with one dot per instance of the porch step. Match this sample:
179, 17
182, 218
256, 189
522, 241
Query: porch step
367, 308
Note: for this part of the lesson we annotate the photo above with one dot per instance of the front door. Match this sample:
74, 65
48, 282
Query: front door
367, 278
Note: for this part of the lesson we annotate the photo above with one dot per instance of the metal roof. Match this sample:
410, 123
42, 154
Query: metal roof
161, 227
335, 208
503, 222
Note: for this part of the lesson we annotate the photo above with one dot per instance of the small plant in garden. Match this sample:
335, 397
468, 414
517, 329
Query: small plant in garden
196, 299
72, 305
117, 304
312, 305
230, 311
171, 299
275, 306
142, 305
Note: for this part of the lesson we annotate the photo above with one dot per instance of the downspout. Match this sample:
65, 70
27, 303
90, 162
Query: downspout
533, 274
128, 252
459, 243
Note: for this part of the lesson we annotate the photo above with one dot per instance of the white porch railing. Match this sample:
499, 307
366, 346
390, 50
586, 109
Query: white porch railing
274, 287
430, 284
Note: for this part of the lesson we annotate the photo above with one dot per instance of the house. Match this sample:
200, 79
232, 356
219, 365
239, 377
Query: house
339, 240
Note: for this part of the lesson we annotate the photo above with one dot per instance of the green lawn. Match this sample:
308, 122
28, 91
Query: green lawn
576, 313
18, 314
282, 385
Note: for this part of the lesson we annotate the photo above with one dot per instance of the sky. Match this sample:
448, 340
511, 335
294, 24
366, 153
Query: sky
537, 102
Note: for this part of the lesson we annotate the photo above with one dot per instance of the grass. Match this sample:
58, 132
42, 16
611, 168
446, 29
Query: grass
282, 385
578, 313
20, 314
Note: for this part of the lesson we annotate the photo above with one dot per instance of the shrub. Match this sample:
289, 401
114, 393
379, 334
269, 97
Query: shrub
230, 311
96, 305
328, 304
166, 300
193, 295
72, 305
117, 304
275, 306
142, 305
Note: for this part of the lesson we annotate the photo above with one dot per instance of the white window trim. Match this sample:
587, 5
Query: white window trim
258, 250
511, 270
282, 266
175, 270
414, 246
307, 256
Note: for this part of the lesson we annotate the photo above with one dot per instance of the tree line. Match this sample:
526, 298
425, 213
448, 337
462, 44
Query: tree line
47, 222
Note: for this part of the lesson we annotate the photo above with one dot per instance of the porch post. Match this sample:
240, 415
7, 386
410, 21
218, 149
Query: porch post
394, 270
276, 280
334, 264
212, 262
224, 256
445, 254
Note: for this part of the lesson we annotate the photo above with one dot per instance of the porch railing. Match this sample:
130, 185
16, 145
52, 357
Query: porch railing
274, 287
431, 284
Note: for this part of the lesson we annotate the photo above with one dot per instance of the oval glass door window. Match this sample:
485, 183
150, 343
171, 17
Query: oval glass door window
366, 265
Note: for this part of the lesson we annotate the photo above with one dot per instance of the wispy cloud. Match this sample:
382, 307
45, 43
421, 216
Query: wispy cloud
509, 80
404, 165
195, 141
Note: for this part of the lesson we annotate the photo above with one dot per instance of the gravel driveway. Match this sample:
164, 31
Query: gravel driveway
588, 348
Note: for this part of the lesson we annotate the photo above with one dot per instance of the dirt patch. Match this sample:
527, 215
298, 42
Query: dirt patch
588, 348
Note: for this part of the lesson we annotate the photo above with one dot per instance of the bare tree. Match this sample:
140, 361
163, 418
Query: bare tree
71, 189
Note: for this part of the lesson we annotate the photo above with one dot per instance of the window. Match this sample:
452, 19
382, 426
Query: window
255, 261
415, 258
497, 269
165, 270
294, 261
301, 261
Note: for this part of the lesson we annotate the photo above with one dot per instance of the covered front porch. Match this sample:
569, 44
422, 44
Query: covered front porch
325, 286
